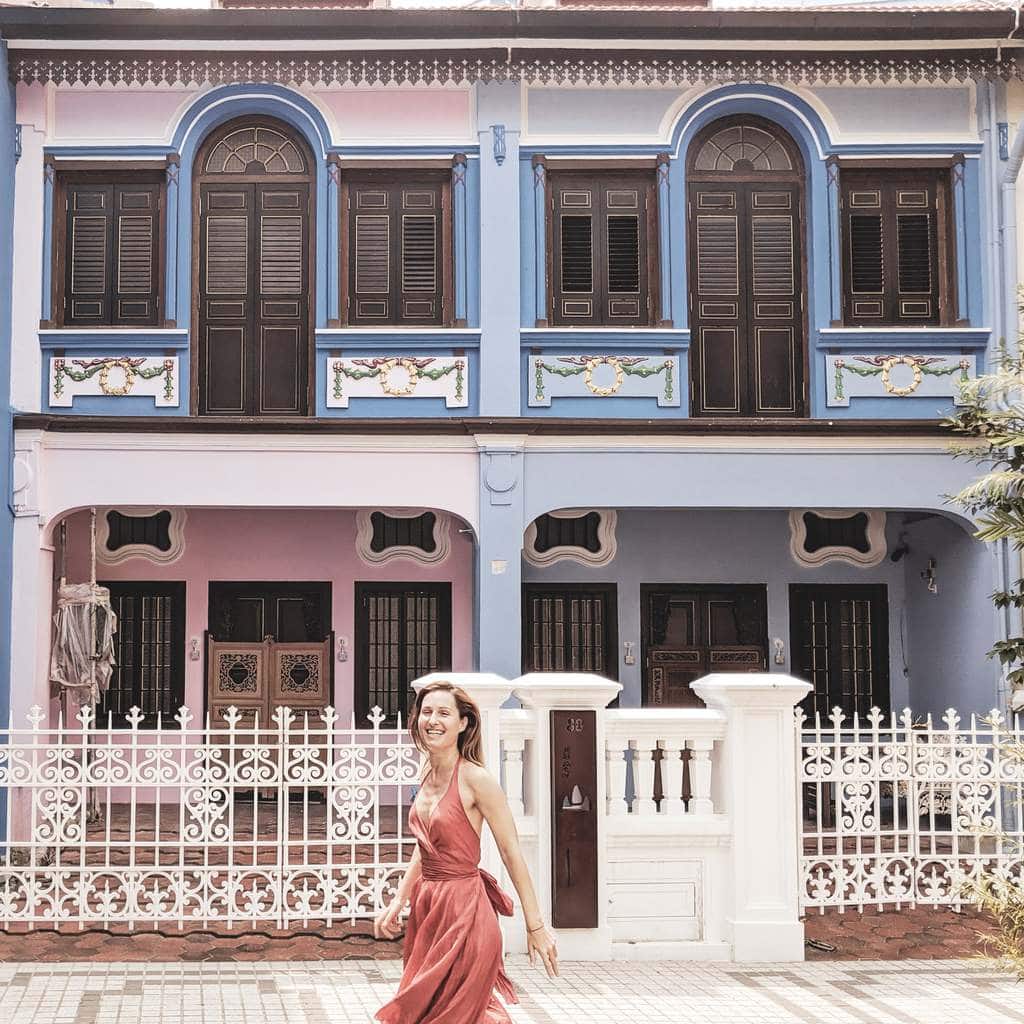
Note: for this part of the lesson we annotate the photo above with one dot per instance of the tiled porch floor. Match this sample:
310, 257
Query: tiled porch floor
940, 992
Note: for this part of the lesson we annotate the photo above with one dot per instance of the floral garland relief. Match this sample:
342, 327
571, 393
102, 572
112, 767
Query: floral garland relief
882, 366
116, 375
622, 366
383, 370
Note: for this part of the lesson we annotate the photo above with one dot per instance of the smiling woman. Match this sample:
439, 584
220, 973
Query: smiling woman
452, 952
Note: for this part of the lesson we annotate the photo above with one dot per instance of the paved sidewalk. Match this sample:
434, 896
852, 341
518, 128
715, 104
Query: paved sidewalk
347, 992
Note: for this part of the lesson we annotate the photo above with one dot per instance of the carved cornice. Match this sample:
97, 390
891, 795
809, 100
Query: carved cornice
535, 67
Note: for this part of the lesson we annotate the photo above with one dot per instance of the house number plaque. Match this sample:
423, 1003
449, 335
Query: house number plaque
574, 819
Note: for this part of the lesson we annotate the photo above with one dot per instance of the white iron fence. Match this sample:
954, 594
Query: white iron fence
898, 812
299, 820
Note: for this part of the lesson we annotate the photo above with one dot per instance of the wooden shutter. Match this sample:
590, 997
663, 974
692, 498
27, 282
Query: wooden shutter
599, 243
396, 246
112, 262
892, 247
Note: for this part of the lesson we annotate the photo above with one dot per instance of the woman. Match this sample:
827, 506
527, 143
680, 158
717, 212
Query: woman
453, 942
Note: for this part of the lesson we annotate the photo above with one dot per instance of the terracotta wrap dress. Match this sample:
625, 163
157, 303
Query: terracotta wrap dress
452, 950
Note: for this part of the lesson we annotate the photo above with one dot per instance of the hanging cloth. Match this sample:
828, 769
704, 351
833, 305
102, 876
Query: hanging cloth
82, 659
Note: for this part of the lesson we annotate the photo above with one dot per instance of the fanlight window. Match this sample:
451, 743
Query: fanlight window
255, 150
743, 148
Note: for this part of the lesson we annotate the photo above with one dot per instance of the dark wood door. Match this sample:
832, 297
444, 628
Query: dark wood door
746, 285
839, 636
570, 628
690, 631
403, 631
254, 298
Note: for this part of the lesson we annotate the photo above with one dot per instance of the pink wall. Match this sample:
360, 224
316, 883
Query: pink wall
315, 545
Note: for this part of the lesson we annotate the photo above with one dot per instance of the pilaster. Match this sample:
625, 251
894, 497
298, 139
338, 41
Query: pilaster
499, 553
498, 123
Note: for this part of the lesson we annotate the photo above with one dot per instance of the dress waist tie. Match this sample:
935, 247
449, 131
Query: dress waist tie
499, 899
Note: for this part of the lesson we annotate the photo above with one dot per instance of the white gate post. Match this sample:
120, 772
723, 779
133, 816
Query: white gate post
545, 692
759, 788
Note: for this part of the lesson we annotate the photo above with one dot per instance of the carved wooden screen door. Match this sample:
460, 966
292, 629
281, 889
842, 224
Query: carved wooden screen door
253, 263
264, 676
746, 272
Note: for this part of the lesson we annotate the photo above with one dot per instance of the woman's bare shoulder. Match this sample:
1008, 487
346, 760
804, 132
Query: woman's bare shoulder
477, 776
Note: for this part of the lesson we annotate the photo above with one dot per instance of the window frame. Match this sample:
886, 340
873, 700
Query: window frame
650, 269
886, 176
177, 591
433, 176
441, 590
105, 175
608, 591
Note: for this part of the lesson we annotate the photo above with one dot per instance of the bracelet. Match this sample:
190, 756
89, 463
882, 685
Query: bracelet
537, 929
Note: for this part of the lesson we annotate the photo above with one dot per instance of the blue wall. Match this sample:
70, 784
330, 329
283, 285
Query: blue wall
7, 161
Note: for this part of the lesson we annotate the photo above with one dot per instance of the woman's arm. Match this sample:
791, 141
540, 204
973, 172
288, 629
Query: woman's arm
490, 799
386, 923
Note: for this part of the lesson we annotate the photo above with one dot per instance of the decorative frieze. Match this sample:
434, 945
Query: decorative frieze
114, 377
850, 375
567, 67
444, 377
602, 376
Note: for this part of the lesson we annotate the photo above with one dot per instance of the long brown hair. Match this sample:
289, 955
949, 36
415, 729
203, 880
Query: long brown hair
470, 744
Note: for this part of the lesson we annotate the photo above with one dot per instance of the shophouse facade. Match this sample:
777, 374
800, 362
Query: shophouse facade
542, 338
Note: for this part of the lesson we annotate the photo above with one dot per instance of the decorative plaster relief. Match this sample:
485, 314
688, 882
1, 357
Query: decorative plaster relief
574, 552
594, 376
150, 552
873, 539
849, 375
364, 537
114, 377
444, 377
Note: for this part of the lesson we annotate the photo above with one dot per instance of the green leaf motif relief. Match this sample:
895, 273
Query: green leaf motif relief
623, 366
366, 369
131, 367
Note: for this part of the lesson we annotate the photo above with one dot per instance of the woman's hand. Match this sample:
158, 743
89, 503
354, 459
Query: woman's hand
386, 925
540, 942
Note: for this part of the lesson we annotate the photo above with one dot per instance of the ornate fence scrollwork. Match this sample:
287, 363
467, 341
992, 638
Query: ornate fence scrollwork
231, 822
898, 812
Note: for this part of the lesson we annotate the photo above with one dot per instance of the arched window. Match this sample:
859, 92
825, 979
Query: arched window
255, 190
745, 201
742, 148
255, 150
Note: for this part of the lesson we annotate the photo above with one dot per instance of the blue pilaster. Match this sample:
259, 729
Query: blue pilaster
46, 307
835, 247
960, 227
171, 242
540, 256
333, 199
7, 161
665, 239
460, 239
499, 555
498, 116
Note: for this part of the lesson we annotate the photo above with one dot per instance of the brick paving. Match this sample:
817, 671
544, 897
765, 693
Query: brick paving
924, 933
911, 992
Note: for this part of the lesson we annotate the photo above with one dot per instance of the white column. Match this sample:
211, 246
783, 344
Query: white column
700, 776
672, 775
759, 787
546, 692
32, 583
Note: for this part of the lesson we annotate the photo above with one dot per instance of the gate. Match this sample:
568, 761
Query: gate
900, 812
284, 823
